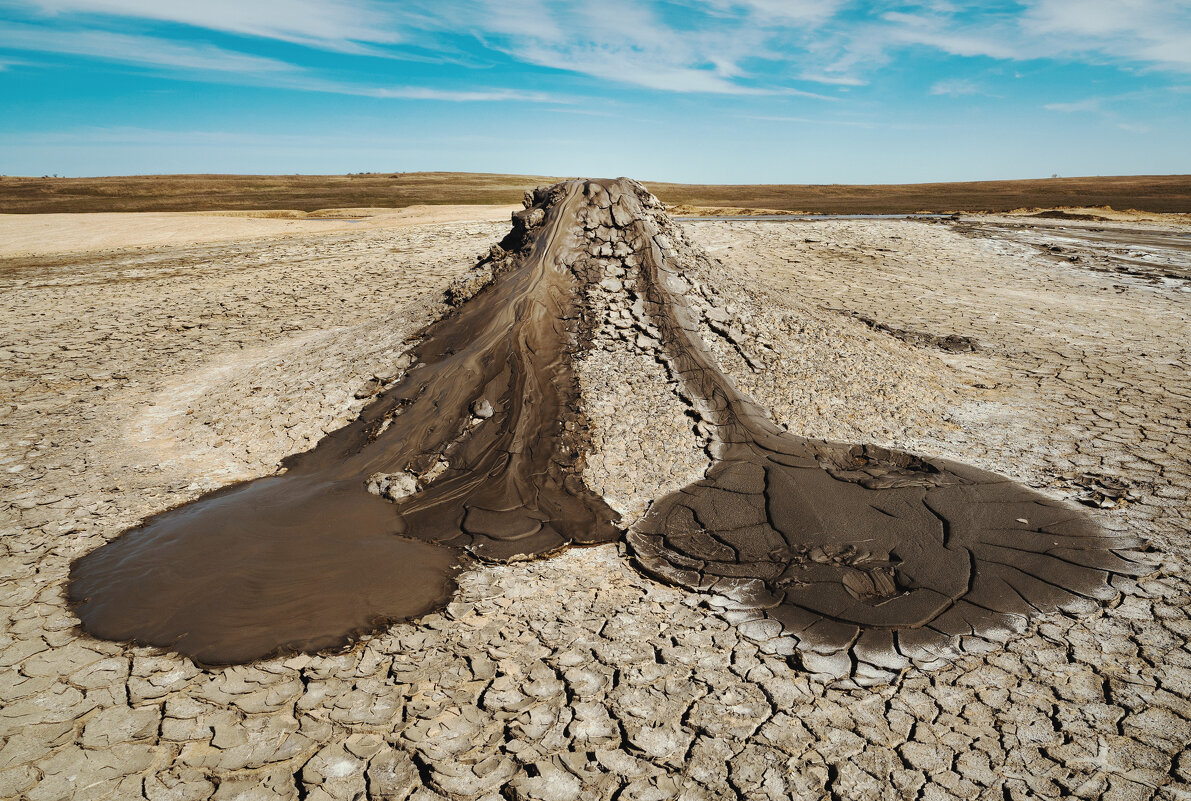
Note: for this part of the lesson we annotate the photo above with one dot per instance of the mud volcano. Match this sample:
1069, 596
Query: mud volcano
852, 559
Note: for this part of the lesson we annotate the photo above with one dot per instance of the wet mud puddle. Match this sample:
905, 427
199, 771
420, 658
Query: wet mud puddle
851, 558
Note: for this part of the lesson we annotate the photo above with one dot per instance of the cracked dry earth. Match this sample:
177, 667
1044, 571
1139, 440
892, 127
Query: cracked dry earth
136, 382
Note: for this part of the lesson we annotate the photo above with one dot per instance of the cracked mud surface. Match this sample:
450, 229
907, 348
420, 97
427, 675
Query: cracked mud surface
1157, 254
576, 676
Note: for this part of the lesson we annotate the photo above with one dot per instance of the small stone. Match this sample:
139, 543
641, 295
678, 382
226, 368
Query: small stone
393, 486
717, 315
482, 409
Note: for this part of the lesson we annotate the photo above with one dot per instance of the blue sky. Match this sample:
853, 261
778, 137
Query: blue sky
722, 91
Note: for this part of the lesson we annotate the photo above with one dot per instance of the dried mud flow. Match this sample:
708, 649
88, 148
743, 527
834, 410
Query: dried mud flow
859, 559
306, 559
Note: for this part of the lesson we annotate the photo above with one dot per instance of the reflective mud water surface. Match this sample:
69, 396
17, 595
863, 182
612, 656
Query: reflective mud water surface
840, 553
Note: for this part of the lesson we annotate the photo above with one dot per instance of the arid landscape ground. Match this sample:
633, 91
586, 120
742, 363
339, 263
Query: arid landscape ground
149, 358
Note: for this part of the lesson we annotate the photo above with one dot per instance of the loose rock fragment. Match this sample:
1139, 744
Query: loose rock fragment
393, 486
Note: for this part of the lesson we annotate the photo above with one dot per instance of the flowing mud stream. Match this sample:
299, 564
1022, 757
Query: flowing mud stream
855, 557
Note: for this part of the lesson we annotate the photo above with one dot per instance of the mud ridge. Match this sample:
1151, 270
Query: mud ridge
952, 343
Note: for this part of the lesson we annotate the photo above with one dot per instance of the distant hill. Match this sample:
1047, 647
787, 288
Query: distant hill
1154, 193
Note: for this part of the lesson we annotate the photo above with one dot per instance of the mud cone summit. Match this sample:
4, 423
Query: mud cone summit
854, 560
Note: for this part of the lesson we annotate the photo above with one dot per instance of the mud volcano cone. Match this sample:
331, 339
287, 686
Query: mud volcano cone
854, 560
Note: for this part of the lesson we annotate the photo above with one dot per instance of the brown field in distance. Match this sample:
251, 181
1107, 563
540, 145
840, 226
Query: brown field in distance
1154, 193
22, 195
299, 192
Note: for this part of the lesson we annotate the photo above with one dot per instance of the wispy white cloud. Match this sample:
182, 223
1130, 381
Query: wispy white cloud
1092, 104
135, 49
1134, 34
344, 25
778, 12
1151, 33
834, 80
955, 87
727, 47
425, 93
207, 62
628, 65
618, 41
7, 62
1120, 111
627, 43
949, 34
1154, 32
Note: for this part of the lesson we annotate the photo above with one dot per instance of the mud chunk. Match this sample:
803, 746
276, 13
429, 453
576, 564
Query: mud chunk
393, 486
392, 775
466, 287
482, 409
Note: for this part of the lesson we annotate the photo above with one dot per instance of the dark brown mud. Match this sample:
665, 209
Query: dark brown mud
307, 559
862, 559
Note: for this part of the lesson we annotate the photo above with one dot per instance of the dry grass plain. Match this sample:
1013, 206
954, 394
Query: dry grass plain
1155, 193
24, 195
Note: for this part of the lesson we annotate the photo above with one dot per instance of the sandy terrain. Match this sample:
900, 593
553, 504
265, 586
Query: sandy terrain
136, 380
43, 234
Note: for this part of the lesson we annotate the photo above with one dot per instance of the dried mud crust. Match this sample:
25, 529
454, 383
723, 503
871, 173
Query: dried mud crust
1153, 253
576, 675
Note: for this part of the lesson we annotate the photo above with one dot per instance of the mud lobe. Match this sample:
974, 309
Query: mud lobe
310, 558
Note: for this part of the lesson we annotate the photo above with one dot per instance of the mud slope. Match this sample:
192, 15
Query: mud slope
855, 560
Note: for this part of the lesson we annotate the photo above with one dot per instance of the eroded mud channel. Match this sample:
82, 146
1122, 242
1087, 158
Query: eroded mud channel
848, 558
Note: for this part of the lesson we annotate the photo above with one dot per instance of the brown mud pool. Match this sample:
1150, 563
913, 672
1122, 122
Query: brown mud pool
834, 552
